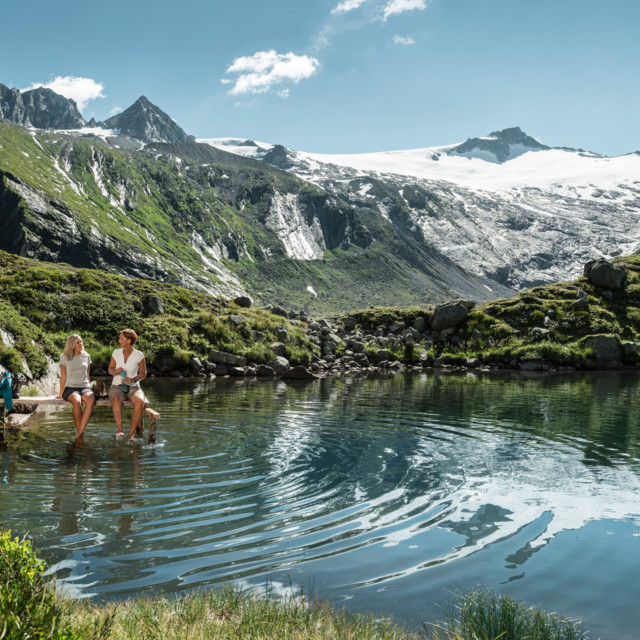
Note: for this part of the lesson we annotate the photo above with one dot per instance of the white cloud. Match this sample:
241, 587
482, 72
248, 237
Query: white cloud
347, 5
82, 90
263, 70
115, 110
404, 41
395, 7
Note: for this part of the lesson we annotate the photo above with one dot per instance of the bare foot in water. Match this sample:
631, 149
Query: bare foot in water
119, 434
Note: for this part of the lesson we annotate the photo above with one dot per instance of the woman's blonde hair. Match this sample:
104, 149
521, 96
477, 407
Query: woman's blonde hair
71, 345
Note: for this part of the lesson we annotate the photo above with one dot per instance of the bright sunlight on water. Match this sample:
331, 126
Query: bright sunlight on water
384, 494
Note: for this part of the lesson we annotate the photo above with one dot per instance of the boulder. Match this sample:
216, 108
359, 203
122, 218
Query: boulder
282, 334
280, 311
152, 305
580, 304
603, 274
195, 364
298, 373
448, 315
221, 370
279, 348
279, 365
221, 357
607, 350
237, 320
382, 355
349, 322
629, 348
243, 301
265, 371
420, 324
540, 332
236, 371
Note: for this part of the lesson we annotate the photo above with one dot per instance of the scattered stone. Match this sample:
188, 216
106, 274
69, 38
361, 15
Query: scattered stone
279, 348
448, 315
603, 274
298, 373
382, 355
282, 334
396, 327
551, 313
279, 364
349, 322
195, 364
581, 295
152, 305
629, 348
420, 324
580, 305
243, 301
540, 332
222, 357
265, 371
221, 370
280, 311
606, 349
236, 371
237, 320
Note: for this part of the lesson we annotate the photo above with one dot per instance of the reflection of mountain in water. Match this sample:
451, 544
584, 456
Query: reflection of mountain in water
379, 479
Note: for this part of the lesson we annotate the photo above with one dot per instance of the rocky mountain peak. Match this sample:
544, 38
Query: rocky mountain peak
499, 146
41, 108
144, 121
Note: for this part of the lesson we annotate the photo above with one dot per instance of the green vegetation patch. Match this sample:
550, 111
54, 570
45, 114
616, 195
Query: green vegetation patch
42, 303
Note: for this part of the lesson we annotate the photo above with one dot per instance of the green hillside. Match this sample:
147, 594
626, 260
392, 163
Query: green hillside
212, 221
41, 303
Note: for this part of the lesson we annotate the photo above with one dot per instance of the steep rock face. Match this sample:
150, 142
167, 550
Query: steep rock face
40, 108
500, 146
144, 121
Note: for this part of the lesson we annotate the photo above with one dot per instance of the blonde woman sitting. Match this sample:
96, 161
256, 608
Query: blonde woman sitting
74, 382
128, 368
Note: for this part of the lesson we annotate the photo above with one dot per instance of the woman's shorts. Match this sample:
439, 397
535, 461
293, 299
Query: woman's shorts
69, 390
133, 389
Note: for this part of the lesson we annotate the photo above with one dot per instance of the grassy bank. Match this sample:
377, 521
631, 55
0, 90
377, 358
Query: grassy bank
30, 607
41, 303
542, 323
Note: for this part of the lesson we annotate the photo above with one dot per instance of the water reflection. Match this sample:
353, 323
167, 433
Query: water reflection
398, 485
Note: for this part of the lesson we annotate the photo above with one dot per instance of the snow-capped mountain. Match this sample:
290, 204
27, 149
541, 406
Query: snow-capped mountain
504, 206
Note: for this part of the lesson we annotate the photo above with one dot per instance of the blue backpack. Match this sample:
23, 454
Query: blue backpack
6, 389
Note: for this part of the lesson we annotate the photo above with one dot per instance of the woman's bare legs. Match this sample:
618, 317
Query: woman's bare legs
116, 404
89, 400
81, 418
137, 400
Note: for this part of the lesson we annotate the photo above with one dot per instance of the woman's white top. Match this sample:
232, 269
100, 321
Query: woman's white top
130, 366
77, 370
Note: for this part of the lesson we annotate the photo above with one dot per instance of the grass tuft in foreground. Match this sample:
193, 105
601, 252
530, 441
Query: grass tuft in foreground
483, 614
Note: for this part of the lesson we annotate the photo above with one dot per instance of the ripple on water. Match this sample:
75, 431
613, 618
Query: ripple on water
369, 485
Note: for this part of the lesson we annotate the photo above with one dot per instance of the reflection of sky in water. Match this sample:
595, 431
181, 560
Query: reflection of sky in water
404, 486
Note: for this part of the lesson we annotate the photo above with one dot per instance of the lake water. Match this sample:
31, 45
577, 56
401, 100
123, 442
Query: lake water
383, 493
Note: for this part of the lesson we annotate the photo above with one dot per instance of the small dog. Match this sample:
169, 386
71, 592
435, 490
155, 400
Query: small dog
99, 389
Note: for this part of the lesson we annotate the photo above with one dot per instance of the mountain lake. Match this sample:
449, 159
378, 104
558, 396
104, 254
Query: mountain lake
387, 494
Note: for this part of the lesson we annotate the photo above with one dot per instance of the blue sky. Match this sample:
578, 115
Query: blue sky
344, 76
